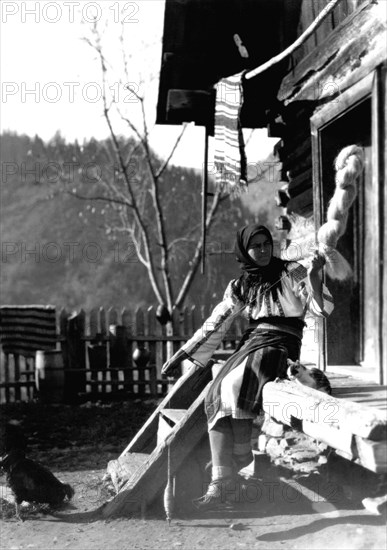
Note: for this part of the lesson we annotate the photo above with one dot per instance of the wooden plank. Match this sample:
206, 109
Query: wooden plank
112, 316
325, 28
168, 418
151, 375
293, 154
175, 415
163, 430
340, 13
122, 468
301, 165
17, 376
300, 183
177, 328
302, 204
285, 399
379, 156
151, 477
113, 357
370, 396
383, 229
181, 395
372, 454
75, 382
308, 15
189, 105
187, 327
23, 384
127, 331
141, 329
93, 325
102, 322
341, 440
353, 50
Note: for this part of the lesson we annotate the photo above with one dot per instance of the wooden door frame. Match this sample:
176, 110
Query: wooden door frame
369, 87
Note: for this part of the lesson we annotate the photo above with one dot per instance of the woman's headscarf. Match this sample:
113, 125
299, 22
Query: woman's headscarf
254, 277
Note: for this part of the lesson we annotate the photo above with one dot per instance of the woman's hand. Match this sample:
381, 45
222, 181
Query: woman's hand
314, 275
170, 367
317, 262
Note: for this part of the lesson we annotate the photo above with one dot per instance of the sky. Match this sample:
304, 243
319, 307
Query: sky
51, 78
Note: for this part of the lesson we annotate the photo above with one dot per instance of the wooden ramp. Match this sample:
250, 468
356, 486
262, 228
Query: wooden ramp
177, 426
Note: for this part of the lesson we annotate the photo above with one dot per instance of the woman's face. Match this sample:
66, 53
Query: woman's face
260, 249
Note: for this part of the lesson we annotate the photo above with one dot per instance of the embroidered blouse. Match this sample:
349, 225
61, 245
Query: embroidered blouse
295, 300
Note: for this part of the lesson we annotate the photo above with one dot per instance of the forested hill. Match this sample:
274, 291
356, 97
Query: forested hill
56, 249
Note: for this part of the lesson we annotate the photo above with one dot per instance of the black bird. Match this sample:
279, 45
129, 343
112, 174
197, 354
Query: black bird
29, 480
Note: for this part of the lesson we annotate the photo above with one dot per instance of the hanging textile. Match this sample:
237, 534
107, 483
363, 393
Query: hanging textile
26, 329
230, 157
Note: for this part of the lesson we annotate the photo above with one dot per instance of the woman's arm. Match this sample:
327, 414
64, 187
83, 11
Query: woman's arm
208, 337
307, 285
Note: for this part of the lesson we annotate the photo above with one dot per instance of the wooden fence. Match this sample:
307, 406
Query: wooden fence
97, 350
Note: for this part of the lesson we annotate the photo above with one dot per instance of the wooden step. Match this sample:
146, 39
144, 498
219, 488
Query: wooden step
168, 418
174, 415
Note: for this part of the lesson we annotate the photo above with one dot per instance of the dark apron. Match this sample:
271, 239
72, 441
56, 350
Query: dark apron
267, 351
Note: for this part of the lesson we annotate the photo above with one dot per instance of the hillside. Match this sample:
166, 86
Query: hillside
57, 249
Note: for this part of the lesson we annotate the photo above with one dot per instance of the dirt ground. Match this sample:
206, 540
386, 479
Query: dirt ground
282, 508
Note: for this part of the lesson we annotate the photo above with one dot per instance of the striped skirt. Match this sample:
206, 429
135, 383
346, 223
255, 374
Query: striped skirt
237, 388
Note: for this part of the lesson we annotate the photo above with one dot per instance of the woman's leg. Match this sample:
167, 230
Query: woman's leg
221, 444
242, 452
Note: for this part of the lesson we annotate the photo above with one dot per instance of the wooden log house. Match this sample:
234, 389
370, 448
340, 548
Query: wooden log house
329, 93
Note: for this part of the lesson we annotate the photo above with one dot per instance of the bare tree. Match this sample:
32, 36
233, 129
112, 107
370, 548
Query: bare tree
134, 192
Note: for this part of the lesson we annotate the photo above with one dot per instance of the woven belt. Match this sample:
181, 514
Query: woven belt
279, 328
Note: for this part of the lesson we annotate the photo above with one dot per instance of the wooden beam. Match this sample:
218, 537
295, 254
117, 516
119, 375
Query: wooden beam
284, 399
302, 204
300, 183
191, 105
353, 49
383, 229
372, 454
300, 166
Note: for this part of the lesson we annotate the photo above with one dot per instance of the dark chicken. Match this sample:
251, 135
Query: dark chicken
29, 480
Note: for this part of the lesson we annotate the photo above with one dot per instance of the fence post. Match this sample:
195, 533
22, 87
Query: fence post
140, 331
17, 377
127, 331
6, 377
76, 381
152, 371
113, 355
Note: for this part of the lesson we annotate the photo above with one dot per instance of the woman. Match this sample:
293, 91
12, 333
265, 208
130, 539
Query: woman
274, 295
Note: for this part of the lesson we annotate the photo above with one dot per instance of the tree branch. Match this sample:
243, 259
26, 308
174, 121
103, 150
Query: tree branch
198, 252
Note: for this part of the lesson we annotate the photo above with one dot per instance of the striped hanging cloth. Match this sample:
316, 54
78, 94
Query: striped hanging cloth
26, 329
230, 157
